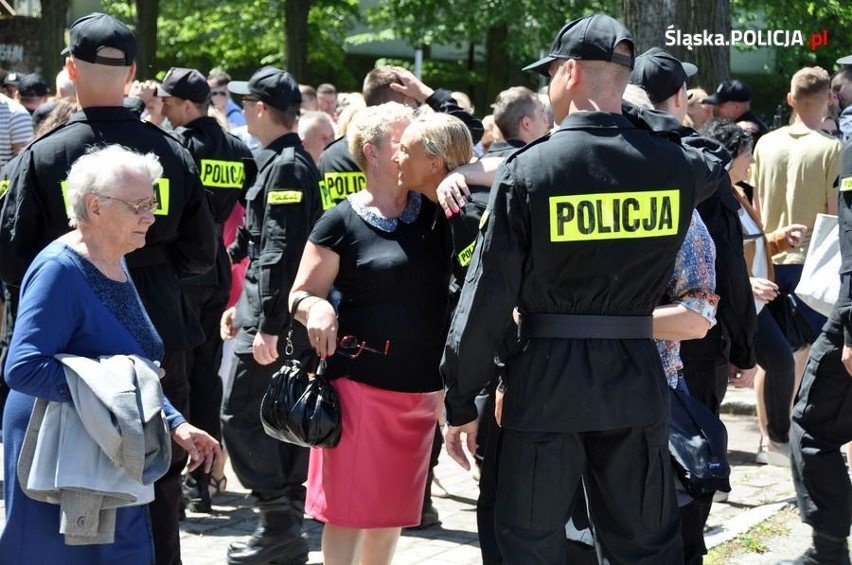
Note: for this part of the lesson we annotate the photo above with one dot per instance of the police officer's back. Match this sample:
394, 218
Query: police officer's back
581, 234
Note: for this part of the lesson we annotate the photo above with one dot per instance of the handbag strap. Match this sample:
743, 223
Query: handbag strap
288, 348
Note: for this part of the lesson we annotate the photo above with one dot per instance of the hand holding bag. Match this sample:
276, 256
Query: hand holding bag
300, 408
819, 286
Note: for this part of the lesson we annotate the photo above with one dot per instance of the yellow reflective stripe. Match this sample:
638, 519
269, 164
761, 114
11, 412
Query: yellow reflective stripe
4, 186
325, 196
484, 219
846, 183
162, 193
341, 185
283, 197
618, 215
466, 254
222, 174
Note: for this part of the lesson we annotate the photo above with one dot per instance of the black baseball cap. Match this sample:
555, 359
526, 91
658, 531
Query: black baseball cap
592, 38
12, 79
32, 86
660, 73
272, 86
729, 91
188, 84
96, 31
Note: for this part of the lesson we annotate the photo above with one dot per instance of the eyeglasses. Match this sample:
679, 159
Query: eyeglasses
218, 93
138, 208
350, 347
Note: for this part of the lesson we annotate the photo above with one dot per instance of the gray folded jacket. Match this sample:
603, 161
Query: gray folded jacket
103, 452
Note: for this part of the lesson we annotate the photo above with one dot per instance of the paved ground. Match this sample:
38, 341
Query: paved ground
760, 495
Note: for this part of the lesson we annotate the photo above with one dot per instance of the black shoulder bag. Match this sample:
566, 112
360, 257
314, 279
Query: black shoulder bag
298, 407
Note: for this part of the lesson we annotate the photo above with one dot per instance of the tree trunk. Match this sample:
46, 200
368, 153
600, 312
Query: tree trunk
496, 69
147, 12
296, 37
713, 62
649, 22
53, 20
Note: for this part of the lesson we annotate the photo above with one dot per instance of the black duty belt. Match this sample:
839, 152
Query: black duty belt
570, 326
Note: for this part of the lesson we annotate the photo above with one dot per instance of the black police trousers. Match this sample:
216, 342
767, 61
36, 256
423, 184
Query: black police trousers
205, 393
822, 424
629, 484
165, 509
271, 469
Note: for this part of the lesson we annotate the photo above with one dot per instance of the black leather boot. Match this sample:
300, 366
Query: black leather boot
826, 550
277, 539
196, 492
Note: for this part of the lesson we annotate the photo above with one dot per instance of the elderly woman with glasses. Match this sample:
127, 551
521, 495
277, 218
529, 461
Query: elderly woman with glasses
382, 251
77, 299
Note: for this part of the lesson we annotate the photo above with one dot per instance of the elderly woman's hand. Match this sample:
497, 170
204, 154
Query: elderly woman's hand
322, 328
201, 446
453, 194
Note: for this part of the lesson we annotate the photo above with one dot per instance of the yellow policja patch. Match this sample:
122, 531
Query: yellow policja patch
617, 215
846, 183
283, 197
222, 174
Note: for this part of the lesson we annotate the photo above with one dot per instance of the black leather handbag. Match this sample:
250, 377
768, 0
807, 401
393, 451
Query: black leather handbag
794, 325
698, 444
299, 407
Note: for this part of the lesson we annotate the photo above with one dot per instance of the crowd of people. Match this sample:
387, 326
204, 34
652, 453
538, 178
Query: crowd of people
530, 289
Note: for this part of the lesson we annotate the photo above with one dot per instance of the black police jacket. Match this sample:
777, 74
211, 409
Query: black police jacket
224, 165
281, 208
733, 337
180, 243
844, 218
341, 175
582, 221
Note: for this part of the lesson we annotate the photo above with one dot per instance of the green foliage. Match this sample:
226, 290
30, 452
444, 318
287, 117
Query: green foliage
242, 36
806, 16
532, 23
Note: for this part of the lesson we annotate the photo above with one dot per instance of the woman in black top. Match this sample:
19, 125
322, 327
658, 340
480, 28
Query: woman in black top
390, 264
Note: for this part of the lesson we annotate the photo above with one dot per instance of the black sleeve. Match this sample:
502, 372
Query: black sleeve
736, 313
330, 230
194, 250
21, 222
442, 101
289, 210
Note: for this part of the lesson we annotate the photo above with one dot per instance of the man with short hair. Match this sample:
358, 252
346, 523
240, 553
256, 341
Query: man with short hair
841, 87
221, 159
33, 91
309, 98
181, 243
316, 131
795, 173
732, 101
65, 87
221, 98
585, 395
327, 99
281, 207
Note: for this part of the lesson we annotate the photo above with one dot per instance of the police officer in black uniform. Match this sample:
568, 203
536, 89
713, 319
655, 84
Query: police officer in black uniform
581, 234
221, 159
281, 207
340, 174
181, 243
822, 416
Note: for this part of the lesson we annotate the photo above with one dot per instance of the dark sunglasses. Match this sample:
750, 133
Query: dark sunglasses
350, 347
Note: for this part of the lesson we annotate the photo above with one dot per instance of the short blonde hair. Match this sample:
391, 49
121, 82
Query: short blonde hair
445, 137
810, 82
102, 171
371, 125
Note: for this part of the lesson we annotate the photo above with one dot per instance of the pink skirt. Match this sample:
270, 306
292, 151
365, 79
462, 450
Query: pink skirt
376, 475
